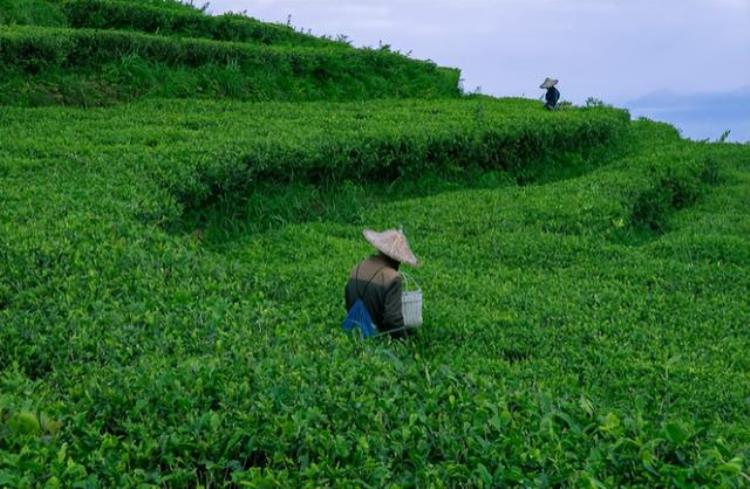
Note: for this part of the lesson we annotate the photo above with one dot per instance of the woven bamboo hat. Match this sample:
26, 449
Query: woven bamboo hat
549, 82
392, 243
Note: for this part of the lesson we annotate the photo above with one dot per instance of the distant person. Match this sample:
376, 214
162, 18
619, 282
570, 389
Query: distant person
553, 94
377, 281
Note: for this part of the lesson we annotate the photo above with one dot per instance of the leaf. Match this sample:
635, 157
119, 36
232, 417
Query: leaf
484, 474
7, 479
732, 468
677, 433
611, 424
586, 405
24, 423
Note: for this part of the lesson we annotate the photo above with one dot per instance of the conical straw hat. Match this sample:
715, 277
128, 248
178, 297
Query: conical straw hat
549, 82
392, 243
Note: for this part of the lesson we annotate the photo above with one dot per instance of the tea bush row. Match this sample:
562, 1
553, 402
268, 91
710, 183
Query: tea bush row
378, 141
166, 21
31, 12
334, 142
36, 49
51, 66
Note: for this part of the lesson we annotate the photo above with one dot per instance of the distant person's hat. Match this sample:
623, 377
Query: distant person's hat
392, 243
548, 83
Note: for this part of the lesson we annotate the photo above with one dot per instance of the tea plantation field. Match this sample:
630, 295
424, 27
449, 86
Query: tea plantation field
182, 199
103, 52
164, 323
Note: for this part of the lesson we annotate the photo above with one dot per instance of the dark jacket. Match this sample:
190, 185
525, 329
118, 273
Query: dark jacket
553, 95
377, 282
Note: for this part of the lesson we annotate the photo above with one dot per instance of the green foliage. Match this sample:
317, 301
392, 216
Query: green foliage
380, 141
724, 136
675, 190
182, 52
595, 102
171, 271
31, 12
91, 67
553, 353
23, 423
174, 5
158, 19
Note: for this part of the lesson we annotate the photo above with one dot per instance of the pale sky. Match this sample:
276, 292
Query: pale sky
615, 50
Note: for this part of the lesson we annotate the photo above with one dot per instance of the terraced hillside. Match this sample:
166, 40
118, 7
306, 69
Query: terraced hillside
172, 272
166, 18
91, 52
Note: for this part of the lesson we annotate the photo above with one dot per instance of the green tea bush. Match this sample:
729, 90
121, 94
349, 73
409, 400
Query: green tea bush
31, 12
122, 66
551, 355
554, 353
383, 141
156, 19
85, 47
675, 190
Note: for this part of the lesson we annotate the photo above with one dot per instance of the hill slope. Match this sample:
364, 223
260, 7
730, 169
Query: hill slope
181, 52
164, 19
567, 322
171, 270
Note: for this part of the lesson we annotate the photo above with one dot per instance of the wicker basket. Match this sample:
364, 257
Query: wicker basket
411, 303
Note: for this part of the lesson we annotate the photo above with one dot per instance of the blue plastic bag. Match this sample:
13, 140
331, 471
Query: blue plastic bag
359, 318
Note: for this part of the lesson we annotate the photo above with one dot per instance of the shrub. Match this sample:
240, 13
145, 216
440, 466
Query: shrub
156, 19
31, 12
550, 356
65, 59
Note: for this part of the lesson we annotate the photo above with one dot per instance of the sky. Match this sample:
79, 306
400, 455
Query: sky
614, 50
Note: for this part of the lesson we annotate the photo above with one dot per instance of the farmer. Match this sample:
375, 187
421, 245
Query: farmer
377, 281
553, 94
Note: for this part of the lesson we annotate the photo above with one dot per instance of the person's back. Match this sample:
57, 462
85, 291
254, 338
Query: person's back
552, 97
553, 94
377, 281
